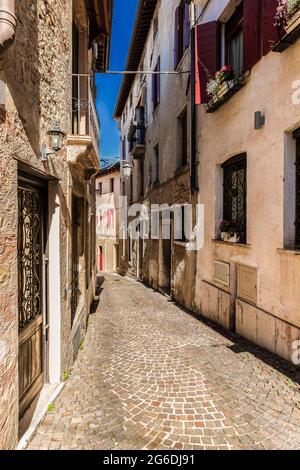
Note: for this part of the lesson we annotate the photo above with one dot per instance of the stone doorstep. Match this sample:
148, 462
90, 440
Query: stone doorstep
47, 396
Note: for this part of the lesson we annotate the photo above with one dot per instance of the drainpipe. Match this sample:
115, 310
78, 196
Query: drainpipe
8, 23
194, 163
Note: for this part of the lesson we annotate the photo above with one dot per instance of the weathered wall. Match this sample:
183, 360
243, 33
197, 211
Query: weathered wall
36, 71
162, 129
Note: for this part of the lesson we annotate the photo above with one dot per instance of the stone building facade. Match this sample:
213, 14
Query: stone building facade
154, 113
47, 199
242, 160
107, 218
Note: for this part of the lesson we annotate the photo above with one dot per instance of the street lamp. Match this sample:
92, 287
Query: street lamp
56, 137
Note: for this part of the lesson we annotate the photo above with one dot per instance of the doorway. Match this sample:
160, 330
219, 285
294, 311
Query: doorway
32, 294
101, 259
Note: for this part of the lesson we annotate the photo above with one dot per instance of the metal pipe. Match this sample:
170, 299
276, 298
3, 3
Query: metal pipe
8, 23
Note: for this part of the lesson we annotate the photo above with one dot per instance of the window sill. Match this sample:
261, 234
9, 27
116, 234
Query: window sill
238, 245
181, 170
228, 89
289, 251
291, 35
181, 243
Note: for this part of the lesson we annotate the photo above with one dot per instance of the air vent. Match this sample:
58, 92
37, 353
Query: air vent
222, 273
247, 283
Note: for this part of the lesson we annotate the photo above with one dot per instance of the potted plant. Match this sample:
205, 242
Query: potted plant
287, 15
229, 231
225, 74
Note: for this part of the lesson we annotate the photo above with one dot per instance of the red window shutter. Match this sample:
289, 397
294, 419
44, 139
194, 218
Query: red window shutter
208, 57
270, 32
252, 33
186, 26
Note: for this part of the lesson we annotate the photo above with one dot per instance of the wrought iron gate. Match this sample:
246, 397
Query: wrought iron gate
30, 290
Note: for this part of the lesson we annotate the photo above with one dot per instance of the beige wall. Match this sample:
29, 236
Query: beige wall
270, 159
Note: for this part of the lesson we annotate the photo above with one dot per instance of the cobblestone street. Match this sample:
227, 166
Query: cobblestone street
152, 376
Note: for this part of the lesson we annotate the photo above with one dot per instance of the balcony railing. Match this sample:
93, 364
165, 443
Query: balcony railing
85, 121
137, 134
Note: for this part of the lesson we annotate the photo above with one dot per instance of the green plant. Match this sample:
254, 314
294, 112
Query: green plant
81, 346
51, 408
293, 6
66, 375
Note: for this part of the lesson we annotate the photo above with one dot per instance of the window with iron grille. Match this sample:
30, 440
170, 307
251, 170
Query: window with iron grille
235, 193
297, 217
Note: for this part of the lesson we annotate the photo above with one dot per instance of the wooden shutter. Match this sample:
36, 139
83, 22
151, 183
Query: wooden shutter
158, 81
186, 27
178, 36
208, 57
252, 33
270, 32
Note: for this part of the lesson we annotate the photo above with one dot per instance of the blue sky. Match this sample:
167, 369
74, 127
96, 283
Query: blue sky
108, 85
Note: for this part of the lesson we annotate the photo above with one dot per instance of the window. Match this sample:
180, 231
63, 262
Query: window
141, 178
131, 187
297, 218
100, 189
155, 165
110, 218
112, 185
156, 85
123, 149
182, 140
182, 32
234, 47
123, 188
155, 27
235, 193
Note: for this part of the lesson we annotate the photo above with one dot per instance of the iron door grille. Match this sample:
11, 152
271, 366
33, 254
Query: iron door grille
235, 193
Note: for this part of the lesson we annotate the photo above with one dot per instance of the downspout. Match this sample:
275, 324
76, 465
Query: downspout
8, 23
194, 163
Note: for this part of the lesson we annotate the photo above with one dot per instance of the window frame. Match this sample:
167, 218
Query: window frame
183, 143
235, 24
231, 166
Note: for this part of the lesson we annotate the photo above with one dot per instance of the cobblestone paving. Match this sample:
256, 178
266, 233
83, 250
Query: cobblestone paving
152, 376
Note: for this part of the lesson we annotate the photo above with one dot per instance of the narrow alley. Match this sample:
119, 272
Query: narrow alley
152, 376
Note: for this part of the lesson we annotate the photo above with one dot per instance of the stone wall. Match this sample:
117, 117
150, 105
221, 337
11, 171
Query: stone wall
38, 92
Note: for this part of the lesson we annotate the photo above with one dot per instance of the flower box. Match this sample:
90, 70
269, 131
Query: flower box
290, 34
229, 238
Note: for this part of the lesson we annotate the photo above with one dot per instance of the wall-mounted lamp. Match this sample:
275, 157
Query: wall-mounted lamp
56, 137
259, 120
126, 169
56, 141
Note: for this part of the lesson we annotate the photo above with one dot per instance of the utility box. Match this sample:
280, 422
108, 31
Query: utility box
247, 283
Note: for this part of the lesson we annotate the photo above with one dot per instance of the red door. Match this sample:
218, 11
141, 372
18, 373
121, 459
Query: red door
100, 259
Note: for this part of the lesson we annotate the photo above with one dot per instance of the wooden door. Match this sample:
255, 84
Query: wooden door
30, 290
